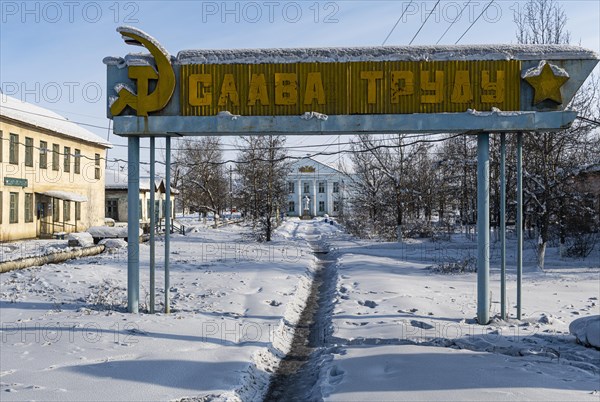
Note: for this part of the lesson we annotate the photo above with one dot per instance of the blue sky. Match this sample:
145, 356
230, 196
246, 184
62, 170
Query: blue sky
51, 51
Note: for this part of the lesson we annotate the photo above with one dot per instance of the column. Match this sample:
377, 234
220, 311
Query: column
299, 203
483, 228
503, 226
133, 224
519, 222
167, 220
314, 197
152, 223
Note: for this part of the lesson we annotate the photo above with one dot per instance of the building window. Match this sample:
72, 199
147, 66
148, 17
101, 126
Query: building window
55, 210
321, 206
291, 187
336, 187
28, 151
97, 166
306, 188
77, 211
66, 210
67, 159
77, 162
14, 208
55, 156
112, 210
140, 214
13, 150
291, 206
321, 187
28, 207
43, 154
336, 206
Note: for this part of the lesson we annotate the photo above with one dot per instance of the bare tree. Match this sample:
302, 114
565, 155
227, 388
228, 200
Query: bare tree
551, 156
262, 169
459, 161
541, 22
200, 174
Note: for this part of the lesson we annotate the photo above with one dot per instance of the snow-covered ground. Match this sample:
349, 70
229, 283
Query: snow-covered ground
66, 335
400, 331
404, 332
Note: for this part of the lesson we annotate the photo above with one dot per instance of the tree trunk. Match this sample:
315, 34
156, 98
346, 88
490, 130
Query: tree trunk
541, 253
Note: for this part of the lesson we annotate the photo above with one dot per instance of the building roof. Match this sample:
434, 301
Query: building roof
322, 168
115, 180
43, 118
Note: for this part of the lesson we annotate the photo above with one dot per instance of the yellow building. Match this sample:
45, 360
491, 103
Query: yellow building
51, 173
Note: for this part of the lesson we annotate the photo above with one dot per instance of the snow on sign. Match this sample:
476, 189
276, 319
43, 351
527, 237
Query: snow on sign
375, 81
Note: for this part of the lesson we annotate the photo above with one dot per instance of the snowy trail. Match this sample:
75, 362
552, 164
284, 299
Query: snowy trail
65, 334
296, 378
382, 325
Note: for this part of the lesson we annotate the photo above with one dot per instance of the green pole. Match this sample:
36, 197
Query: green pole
167, 219
503, 226
519, 220
152, 224
483, 228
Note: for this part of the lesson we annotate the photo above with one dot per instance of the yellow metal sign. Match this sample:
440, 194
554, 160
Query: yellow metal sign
387, 87
145, 101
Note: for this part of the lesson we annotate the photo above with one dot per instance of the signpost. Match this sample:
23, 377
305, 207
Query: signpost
459, 89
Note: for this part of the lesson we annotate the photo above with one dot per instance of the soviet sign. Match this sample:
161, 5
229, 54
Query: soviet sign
343, 81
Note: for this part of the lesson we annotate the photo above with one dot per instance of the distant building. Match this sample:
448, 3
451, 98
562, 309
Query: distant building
316, 185
116, 198
51, 173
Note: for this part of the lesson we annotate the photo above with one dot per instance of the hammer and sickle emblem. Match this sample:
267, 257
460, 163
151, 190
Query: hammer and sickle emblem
144, 102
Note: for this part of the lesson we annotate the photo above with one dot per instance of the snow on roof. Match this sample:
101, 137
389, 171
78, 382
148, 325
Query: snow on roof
40, 117
385, 53
115, 180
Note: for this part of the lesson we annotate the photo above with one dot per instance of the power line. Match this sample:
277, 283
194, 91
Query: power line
452, 23
473, 23
346, 151
591, 121
396, 24
63, 119
424, 22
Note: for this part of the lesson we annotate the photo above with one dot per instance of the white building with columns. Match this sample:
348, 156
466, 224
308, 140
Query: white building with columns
314, 186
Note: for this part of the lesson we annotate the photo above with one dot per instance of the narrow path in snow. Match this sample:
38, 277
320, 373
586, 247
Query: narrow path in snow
296, 377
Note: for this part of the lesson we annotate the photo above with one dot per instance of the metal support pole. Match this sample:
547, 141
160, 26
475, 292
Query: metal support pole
133, 224
167, 219
483, 228
503, 226
152, 213
519, 220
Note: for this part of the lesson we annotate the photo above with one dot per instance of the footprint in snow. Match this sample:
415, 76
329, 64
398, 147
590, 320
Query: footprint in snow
335, 375
420, 324
368, 303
